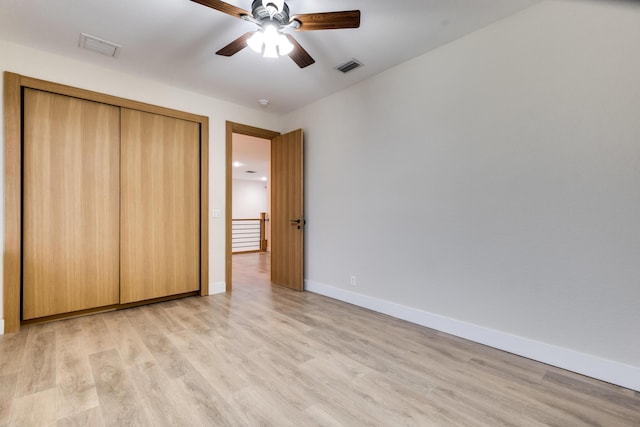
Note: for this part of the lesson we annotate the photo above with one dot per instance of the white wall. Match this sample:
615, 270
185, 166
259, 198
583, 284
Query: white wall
249, 198
39, 64
492, 188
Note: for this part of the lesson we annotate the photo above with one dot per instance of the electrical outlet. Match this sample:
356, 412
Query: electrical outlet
353, 281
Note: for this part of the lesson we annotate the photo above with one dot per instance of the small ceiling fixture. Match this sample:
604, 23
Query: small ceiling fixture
349, 66
96, 44
264, 102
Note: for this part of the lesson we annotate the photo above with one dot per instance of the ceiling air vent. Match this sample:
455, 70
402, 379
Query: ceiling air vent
99, 45
350, 65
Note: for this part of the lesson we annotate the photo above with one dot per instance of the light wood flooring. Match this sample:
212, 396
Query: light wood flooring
272, 357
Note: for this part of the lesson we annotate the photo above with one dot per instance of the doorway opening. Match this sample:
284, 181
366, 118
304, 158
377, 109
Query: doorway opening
251, 209
248, 136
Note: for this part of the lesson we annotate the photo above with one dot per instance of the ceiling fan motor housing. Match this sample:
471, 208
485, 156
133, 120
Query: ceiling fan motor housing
261, 14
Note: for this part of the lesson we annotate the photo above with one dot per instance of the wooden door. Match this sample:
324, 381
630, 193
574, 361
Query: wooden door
70, 204
287, 210
160, 204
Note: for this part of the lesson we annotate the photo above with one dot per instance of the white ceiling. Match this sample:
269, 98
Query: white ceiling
174, 41
253, 154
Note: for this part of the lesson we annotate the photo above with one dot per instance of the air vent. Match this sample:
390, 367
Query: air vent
99, 45
349, 66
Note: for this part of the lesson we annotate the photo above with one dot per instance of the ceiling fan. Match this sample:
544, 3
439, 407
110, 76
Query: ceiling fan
272, 16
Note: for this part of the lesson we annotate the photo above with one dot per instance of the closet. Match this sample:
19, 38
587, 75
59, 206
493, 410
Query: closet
112, 200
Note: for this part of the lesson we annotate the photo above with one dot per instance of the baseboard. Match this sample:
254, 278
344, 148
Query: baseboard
1, 326
582, 363
217, 288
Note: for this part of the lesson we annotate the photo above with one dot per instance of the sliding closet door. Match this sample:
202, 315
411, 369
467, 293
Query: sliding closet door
160, 203
71, 209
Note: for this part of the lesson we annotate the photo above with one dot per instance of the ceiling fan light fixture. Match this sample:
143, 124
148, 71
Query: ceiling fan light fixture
284, 45
270, 42
270, 51
256, 41
271, 39
270, 35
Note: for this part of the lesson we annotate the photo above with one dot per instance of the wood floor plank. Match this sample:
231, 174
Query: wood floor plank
559, 406
95, 336
292, 384
130, 345
37, 409
162, 396
208, 405
90, 417
595, 390
337, 379
7, 393
263, 334
69, 333
164, 351
38, 371
119, 401
212, 360
185, 314
12, 351
260, 407
322, 417
162, 318
266, 367
74, 384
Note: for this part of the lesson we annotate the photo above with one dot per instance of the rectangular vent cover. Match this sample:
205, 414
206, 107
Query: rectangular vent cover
349, 66
99, 45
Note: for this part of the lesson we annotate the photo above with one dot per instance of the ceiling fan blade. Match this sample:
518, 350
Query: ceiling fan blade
235, 46
328, 20
298, 54
223, 7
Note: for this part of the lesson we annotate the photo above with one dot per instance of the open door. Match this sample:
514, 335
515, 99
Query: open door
287, 210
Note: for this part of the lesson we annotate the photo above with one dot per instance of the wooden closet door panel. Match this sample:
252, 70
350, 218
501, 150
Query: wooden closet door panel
160, 203
70, 204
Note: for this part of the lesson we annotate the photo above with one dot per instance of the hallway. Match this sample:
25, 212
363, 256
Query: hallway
251, 269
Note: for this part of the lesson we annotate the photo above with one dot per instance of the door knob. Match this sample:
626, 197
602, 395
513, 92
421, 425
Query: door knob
299, 222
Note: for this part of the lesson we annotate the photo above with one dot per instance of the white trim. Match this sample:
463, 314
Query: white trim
217, 288
586, 364
1, 326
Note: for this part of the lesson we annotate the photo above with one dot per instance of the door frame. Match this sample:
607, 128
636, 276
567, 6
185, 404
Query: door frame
12, 256
231, 128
